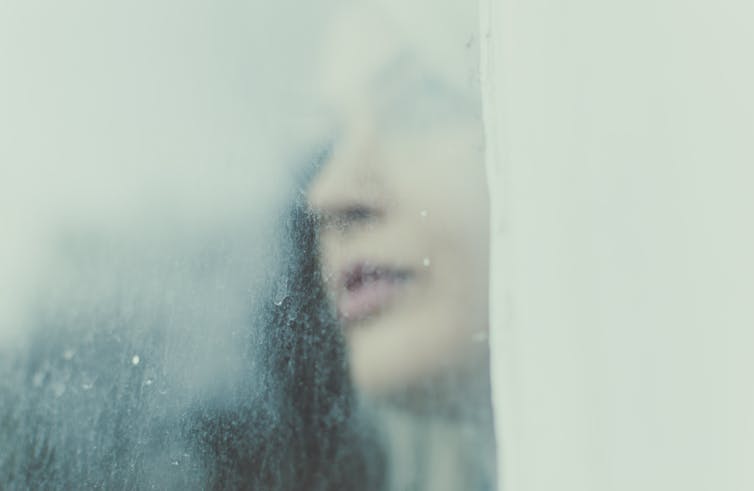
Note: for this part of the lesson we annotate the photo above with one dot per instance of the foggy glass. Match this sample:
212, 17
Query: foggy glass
245, 246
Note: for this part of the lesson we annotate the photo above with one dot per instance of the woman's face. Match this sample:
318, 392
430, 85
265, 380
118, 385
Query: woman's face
403, 210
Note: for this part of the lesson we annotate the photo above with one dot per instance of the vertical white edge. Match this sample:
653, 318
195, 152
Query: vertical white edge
500, 292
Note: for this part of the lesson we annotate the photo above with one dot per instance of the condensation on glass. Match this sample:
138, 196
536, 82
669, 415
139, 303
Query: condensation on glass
247, 247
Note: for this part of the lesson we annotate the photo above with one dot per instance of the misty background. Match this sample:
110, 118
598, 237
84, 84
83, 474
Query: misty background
143, 130
150, 155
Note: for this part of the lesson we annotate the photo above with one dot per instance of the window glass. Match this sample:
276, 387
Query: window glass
248, 247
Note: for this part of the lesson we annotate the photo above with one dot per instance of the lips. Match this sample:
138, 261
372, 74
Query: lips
366, 289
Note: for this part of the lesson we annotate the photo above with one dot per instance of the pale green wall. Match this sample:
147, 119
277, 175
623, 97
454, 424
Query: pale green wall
622, 166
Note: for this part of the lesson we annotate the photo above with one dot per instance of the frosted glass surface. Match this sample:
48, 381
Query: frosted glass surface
243, 245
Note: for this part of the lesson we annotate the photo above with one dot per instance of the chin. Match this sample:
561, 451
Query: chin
405, 351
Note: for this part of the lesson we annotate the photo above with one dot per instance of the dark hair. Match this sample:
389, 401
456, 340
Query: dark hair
313, 438
79, 410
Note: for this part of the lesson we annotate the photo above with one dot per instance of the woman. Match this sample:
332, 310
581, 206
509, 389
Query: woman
98, 402
403, 231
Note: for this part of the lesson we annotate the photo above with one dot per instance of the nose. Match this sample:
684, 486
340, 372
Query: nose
348, 191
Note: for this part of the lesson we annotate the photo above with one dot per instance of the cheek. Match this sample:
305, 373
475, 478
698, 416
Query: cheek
446, 200
444, 174
461, 282
448, 316
459, 238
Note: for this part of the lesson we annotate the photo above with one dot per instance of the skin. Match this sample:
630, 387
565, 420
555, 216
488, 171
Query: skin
403, 187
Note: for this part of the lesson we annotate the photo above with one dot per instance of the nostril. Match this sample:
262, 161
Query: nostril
345, 217
357, 213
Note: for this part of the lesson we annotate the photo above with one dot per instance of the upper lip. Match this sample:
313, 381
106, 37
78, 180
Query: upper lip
365, 288
362, 272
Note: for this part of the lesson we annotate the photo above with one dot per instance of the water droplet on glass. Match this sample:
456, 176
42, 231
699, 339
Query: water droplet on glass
426, 262
281, 291
87, 382
423, 213
58, 389
68, 354
135, 360
148, 381
38, 378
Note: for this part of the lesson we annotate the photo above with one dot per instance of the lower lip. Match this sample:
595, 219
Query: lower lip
367, 299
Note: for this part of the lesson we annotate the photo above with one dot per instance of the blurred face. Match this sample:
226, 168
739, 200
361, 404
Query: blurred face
403, 210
